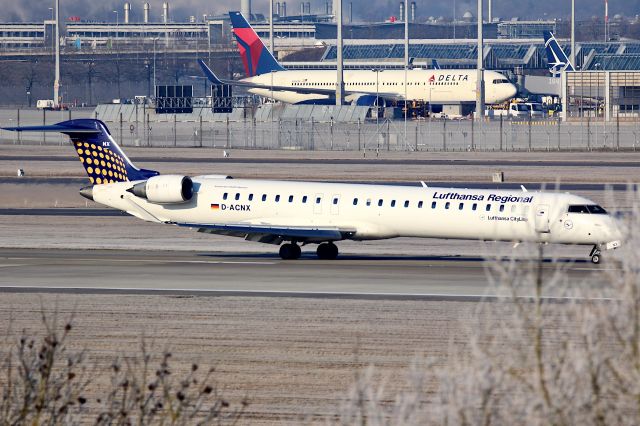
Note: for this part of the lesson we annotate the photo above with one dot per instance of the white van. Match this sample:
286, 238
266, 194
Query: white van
526, 110
44, 104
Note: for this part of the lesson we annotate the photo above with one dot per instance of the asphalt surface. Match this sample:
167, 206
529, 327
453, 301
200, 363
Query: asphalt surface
205, 274
354, 161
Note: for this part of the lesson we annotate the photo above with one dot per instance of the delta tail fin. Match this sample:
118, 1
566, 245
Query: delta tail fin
434, 64
255, 56
558, 60
102, 158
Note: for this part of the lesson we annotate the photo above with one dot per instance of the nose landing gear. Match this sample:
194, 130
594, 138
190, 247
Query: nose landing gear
596, 255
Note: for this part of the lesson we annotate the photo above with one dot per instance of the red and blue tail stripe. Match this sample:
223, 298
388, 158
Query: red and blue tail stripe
255, 56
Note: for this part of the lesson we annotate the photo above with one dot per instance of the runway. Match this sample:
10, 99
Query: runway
346, 161
189, 273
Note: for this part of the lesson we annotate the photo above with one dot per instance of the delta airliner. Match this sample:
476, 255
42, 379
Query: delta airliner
291, 214
268, 78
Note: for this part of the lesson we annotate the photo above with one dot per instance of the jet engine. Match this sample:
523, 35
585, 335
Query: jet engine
165, 189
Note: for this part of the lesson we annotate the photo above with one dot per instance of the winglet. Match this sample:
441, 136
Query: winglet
424, 185
523, 188
208, 73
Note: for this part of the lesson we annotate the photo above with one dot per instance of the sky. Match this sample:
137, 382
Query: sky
38, 10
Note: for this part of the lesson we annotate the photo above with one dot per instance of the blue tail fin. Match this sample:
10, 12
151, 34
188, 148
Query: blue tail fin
556, 57
434, 64
208, 73
255, 56
102, 158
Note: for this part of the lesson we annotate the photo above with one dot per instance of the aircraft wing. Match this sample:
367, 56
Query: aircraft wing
273, 234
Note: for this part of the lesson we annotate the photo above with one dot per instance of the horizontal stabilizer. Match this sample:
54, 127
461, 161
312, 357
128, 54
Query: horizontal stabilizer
208, 73
60, 128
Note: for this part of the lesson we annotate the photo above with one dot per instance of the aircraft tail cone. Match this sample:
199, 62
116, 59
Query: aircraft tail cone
87, 192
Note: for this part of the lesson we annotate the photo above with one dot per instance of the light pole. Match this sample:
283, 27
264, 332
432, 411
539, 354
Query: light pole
406, 66
53, 46
117, 22
377, 71
56, 82
154, 65
573, 34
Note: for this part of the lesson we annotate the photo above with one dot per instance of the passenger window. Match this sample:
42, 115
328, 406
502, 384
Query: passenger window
474, 206
501, 208
237, 196
406, 204
460, 206
291, 198
304, 199
318, 199
446, 205
433, 205
380, 202
250, 197
368, 202
264, 197
277, 198
225, 196
419, 204
355, 201
393, 203
488, 208
335, 201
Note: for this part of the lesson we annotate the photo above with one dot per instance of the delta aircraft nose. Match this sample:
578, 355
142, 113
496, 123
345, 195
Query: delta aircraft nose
513, 91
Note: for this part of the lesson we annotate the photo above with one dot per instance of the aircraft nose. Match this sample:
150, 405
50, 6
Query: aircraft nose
512, 91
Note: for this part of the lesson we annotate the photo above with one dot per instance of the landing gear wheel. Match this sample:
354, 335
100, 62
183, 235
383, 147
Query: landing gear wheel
290, 251
596, 256
327, 251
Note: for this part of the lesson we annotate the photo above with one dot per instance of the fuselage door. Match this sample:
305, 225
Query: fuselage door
335, 204
317, 204
542, 218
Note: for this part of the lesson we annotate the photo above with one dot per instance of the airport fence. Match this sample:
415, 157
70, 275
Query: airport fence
364, 135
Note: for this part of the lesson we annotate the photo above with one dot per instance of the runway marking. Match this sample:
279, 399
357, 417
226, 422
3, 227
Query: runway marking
286, 293
12, 265
106, 259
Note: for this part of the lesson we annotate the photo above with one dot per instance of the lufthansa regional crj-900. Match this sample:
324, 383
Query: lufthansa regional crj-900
268, 78
290, 213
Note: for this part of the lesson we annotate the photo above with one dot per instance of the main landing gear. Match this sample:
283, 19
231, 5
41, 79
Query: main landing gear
327, 251
290, 251
596, 255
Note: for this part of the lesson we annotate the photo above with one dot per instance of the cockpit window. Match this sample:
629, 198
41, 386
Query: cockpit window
596, 209
578, 209
500, 81
586, 209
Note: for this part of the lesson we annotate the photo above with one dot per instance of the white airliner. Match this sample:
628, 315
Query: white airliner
294, 213
269, 79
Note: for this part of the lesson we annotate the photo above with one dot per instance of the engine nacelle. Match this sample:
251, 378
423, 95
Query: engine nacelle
165, 189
